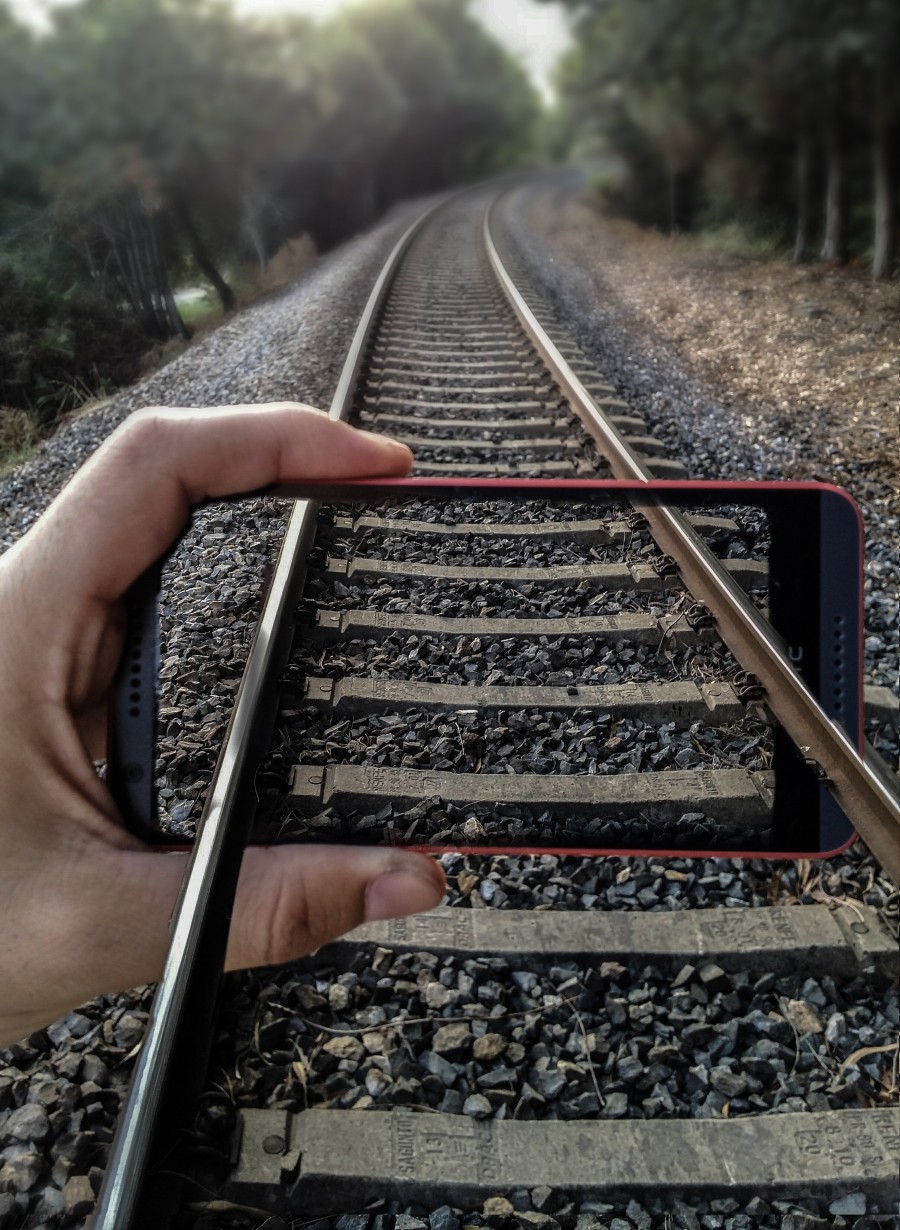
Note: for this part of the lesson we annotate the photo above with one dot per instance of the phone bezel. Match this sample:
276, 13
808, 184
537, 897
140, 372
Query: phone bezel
130, 746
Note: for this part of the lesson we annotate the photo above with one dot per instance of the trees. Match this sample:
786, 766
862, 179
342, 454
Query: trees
724, 95
146, 141
879, 101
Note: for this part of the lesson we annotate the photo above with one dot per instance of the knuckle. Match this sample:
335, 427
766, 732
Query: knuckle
283, 912
288, 927
143, 434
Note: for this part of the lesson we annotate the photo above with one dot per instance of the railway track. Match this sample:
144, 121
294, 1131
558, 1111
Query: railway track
460, 671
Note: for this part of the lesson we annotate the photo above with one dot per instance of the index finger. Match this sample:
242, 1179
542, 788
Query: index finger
131, 500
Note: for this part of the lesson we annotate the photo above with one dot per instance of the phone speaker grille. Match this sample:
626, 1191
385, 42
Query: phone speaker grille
838, 672
135, 673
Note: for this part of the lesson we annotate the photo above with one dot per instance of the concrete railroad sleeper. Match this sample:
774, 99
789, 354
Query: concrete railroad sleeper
725, 795
609, 576
684, 701
322, 1161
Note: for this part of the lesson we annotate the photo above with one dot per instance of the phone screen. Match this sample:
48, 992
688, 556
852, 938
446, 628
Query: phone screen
498, 669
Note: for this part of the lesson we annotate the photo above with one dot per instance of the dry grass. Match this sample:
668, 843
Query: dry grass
21, 430
291, 259
20, 434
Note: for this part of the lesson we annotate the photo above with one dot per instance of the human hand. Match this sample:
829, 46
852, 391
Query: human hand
84, 906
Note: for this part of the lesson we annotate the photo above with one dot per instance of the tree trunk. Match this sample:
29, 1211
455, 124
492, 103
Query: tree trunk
162, 287
252, 227
682, 199
801, 234
139, 255
155, 321
835, 247
201, 255
124, 240
673, 201
134, 241
885, 213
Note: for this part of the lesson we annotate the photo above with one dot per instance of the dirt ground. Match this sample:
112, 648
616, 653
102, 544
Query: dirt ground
792, 337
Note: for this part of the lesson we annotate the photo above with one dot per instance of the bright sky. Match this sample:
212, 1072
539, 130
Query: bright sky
535, 32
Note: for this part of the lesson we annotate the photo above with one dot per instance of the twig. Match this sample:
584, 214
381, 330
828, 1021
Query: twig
587, 1054
782, 1003
864, 1052
226, 1206
425, 1020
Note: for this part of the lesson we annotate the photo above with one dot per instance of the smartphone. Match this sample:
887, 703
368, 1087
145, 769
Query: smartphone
511, 667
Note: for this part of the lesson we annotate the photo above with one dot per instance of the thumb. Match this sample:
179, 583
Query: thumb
293, 899
96, 924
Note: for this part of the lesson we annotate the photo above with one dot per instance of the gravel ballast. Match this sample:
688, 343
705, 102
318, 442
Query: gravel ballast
60, 1091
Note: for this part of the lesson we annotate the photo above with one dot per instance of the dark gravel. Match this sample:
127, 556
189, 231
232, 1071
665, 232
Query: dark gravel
60, 1090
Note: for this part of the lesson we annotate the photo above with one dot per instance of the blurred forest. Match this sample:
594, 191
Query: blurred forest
780, 117
147, 144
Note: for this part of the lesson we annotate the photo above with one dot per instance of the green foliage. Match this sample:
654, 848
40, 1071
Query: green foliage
554, 133
748, 240
728, 108
58, 349
147, 142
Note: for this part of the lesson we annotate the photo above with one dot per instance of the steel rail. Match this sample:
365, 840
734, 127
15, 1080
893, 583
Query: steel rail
184, 1004
864, 793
